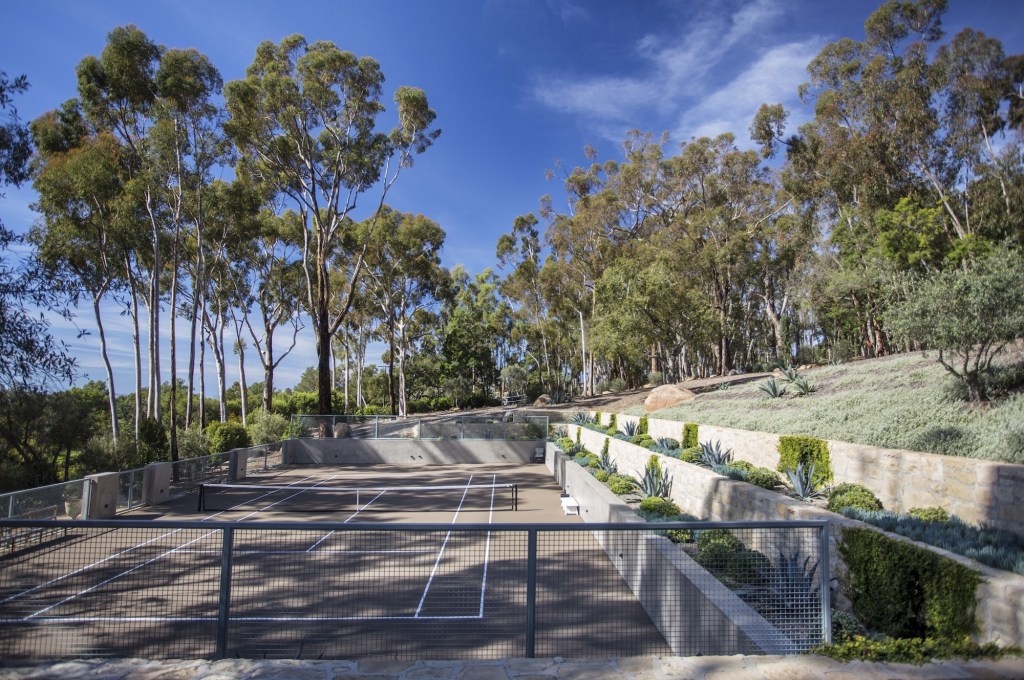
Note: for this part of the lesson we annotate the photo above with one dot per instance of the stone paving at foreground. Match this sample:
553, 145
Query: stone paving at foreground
631, 668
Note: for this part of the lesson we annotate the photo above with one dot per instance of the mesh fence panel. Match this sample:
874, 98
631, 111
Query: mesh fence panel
129, 490
333, 590
54, 501
187, 475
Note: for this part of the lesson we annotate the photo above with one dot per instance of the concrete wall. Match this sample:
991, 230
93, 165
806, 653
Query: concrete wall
399, 451
977, 491
706, 495
695, 613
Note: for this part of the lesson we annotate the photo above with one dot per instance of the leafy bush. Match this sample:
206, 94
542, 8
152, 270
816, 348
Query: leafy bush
709, 537
617, 385
994, 547
730, 472
659, 506
911, 650
680, 535
668, 443
905, 591
846, 487
744, 465
808, 451
612, 425
691, 455
642, 425
845, 626
763, 477
620, 485
226, 436
854, 498
266, 428
928, 514
655, 378
643, 440
601, 475
690, 436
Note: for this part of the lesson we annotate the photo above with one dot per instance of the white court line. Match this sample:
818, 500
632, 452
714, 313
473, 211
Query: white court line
123, 552
57, 620
358, 510
487, 550
440, 555
162, 555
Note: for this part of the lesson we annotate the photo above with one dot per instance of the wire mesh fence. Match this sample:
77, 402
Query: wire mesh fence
53, 501
333, 590
515, 426
129, 489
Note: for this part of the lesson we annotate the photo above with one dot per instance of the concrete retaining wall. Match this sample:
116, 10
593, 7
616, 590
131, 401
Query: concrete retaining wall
405, 451
707, 495
695, 613
978, 491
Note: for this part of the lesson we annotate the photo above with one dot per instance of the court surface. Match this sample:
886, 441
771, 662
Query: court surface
342, 592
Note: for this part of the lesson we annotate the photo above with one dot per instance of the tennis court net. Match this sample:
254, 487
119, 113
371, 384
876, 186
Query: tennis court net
237, 497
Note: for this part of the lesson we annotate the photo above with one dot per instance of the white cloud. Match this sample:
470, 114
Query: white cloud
680, 88
772, 78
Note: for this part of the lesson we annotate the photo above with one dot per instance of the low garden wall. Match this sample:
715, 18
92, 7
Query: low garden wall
695, 613
404, 451
978, 491
707, 495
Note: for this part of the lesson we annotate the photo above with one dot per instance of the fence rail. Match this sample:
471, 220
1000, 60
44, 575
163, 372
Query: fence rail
517, 426
195, 589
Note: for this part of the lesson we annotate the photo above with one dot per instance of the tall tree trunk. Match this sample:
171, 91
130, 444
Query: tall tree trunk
111, 393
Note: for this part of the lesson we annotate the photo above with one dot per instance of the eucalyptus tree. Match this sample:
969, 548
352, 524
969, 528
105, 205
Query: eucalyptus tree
269, 274
403, 276
305, 119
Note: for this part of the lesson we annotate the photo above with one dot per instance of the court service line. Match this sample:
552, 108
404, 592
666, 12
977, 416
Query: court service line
358, 510
487, 549
124, 552
58, 620
440, 555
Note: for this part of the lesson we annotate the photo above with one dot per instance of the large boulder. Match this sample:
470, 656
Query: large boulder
665, 396
543, 400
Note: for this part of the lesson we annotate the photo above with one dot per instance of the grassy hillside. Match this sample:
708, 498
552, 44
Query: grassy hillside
902, 402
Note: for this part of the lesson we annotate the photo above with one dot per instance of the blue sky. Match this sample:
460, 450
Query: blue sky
519, 86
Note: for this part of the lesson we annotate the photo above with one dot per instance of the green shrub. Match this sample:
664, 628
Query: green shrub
226, 436
655, 378
794, 451
616, 384
845, 626
690, 436
854, 498
912, 650
691, 455
621, 485
642, 426
711, 537
746, 466
930, 514
680, 535
578, 431
905, 591
593, 461
602, 475
763, 477
643, 440
597, 418
604, 447
613, 426
659, 506
846, 487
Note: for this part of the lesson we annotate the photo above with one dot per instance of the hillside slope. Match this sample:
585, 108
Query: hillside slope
903, 402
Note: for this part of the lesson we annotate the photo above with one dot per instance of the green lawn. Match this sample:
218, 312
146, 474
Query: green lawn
902, 402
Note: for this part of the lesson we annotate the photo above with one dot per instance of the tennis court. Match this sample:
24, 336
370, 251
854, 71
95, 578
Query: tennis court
429, 561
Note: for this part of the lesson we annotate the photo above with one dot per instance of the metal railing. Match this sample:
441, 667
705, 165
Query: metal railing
53, 501
393, 427
159, 589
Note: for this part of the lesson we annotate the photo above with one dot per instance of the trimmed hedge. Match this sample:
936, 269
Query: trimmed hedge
905, 591
806, 450
690, 436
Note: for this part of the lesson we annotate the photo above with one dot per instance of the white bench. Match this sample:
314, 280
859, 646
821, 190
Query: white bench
570, 505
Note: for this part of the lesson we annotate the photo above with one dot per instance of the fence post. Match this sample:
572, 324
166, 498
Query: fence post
223, 608
531, 591
826, 584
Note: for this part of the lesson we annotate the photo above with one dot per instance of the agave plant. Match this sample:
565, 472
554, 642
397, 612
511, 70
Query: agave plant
773, 389
712, 455
580, 418
575, 450
667, 443
607, 464
805, 486
802, 387
789, 374
630, 428
656, 481
792, 584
